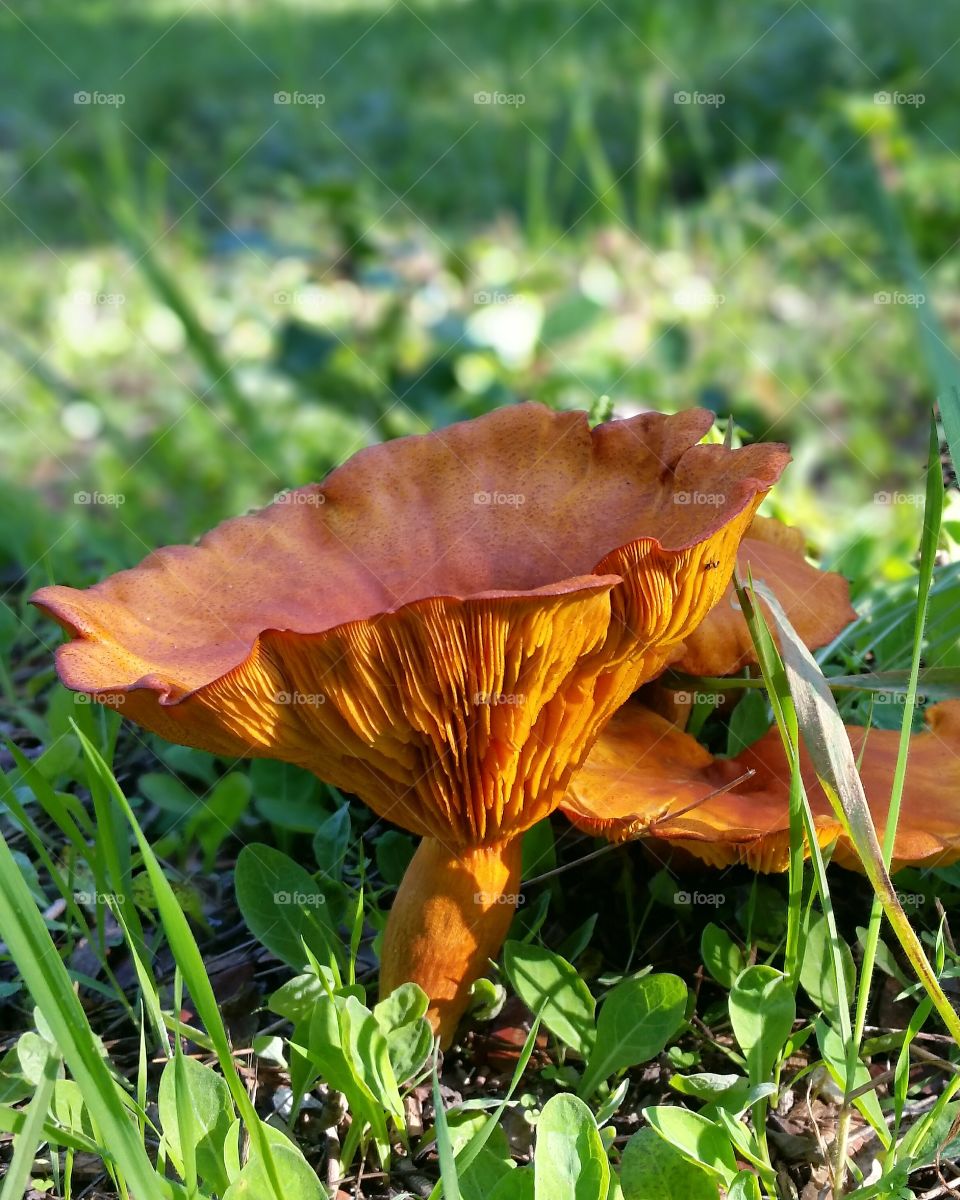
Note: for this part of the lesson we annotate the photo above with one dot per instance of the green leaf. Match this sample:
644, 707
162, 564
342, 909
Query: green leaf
489, 1165
331, 841
746, 1186
636, 1021
762, 1012
748, 721
28, 1141
344, 1044
570, 1162
518, 1185
219, 813
732, 1093
551, 986
834, 1051
401, 1017
69, 1109
296, 1177
652, 1169
283, 906
286, 796
167, 793
817, 975
211, 1117
694, 1136
297, 998
393, 853
721, 955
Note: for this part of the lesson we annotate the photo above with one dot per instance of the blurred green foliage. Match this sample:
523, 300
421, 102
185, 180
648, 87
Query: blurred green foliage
213, 294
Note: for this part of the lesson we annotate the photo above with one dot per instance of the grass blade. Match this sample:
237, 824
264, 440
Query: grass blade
187, 955
829, 748
37, 960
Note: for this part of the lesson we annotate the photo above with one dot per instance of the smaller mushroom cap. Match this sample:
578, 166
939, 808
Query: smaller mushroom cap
643, 769
816, 602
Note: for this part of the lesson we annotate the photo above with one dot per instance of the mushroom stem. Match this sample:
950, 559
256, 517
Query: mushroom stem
450, 916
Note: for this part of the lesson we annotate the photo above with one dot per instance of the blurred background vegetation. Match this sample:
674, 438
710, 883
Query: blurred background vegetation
240, 241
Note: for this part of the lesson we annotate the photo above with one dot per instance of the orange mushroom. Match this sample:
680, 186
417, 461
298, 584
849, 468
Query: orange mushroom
442, 628
645, 777
817, 603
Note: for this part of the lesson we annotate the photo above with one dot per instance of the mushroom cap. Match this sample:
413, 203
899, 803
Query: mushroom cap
816, 602
443, 625
643, 769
